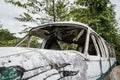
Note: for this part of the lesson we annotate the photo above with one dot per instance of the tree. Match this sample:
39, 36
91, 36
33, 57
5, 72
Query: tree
6, 35
7, 38
95, 14
41, 11
0, 25
99, 15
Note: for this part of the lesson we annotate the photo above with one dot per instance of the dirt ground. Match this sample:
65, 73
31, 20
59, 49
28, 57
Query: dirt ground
115, 73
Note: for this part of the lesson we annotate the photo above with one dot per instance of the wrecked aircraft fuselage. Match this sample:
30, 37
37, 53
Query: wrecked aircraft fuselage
69, 51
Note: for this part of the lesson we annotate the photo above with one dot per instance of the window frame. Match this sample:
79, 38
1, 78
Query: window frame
95, 45
101, 46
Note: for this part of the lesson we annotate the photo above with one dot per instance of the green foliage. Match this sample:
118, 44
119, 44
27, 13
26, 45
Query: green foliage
117, 48
45, 10
6, 35
7, 38
6, 43
25, 18
32, 42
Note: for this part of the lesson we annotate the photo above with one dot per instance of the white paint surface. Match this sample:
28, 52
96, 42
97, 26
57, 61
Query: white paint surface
29, 58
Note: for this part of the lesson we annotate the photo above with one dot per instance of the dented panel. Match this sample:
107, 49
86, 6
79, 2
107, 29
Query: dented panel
44, 65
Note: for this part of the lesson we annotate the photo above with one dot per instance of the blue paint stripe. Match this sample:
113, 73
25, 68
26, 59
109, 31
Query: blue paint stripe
105, 74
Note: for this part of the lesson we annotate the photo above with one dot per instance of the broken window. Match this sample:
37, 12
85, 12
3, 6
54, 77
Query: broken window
91, 47
100, 46
57, 37
31, 41
110, 50
66, 38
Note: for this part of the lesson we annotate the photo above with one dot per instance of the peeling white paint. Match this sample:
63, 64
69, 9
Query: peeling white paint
29, 58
